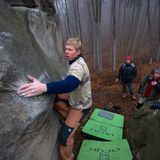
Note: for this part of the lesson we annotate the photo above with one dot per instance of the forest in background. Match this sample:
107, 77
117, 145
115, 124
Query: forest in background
111, 29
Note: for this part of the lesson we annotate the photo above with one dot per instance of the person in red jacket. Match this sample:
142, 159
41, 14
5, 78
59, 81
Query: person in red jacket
149, 88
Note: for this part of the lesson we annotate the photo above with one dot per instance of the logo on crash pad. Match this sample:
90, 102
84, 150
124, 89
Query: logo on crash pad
104, 156
102, 130
100, 150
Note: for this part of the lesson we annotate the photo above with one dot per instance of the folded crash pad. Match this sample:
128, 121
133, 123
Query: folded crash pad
102, 150
103, 131
107, 117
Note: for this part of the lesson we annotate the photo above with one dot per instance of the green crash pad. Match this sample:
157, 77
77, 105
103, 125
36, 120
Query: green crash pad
103, 131
107, 117
100, 150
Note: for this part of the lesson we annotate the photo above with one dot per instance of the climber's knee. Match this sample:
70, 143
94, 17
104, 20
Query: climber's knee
65, 132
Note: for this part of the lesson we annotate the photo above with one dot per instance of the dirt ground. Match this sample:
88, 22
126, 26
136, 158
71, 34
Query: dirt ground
107, 92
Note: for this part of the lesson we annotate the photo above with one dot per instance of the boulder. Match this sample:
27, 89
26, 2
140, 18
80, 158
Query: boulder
28, 126
28, 3
144, 134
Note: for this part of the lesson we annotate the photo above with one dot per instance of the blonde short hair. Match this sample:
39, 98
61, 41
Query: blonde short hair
76, 42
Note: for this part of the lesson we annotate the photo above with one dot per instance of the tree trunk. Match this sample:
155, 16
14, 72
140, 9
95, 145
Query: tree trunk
67, 16
113, 35
150, 32
158, 54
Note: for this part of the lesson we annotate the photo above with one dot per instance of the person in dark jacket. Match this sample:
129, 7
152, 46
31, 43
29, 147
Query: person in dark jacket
126, 75
150, 88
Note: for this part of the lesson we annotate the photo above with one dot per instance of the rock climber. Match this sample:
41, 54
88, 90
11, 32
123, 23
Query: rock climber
73, 95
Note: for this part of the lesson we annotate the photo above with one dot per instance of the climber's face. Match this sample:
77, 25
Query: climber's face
71, 52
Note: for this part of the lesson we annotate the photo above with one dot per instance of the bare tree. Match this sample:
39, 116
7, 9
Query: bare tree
113, 35
78, 20
68, 21
158, 54
96, 6
150, 31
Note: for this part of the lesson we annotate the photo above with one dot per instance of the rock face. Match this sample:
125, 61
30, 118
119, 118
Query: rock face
144, 134
28, 3
28, 126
